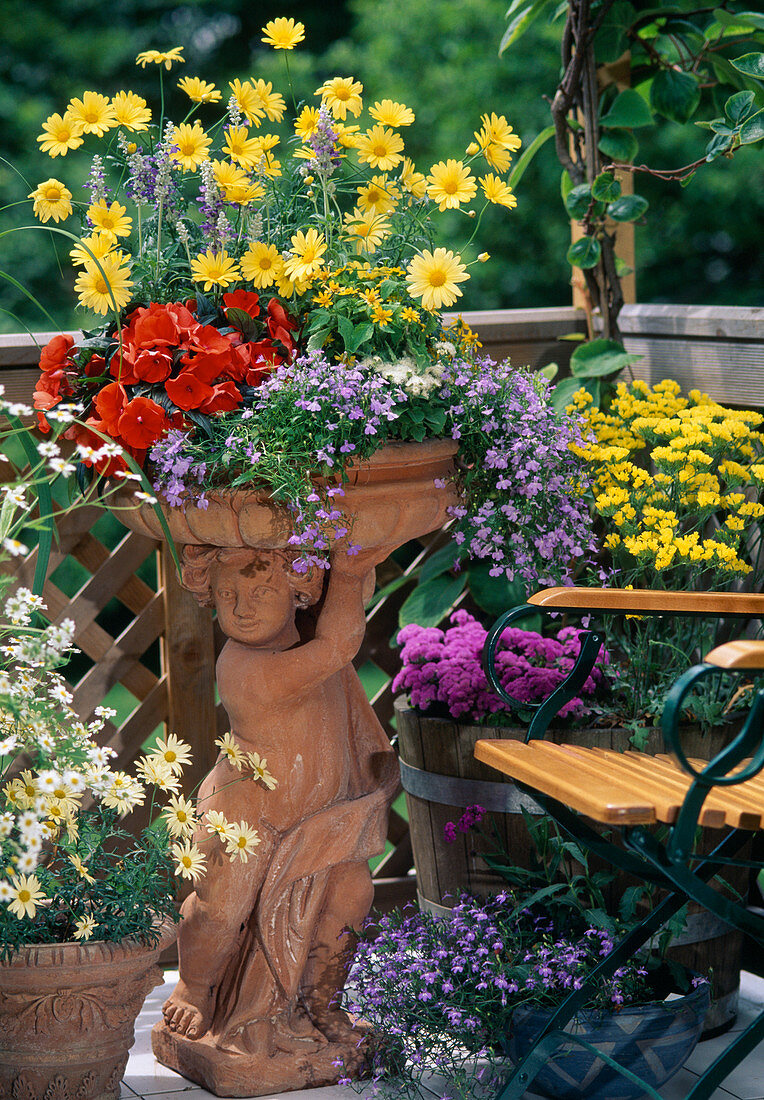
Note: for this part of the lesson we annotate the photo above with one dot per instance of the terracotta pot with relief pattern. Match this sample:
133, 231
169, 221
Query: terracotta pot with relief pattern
67, 1016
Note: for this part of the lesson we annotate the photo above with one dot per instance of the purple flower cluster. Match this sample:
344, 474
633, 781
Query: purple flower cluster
323, 142
470, 819
444, 666
173, 470
556, 967
524, 509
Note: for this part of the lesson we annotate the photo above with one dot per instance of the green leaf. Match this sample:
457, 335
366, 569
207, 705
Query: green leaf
494, 595
622, 268
739, 19
578, 200
750, 64
521, 15
599, 358
675, 95
606, 187
619, 145
317, 339
629, 109
566, 184
361, 333
550, 371
562, 394
739, 106
752, 129
519, 169
593, 387
628, 208
611, 41
584, 253
346, 330
440, 562
430, 602
7, 512
718, 145
242, 321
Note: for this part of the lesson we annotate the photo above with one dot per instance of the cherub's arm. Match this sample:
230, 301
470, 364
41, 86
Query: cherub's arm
340, 628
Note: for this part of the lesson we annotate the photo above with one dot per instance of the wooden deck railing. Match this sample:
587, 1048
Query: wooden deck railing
720, 350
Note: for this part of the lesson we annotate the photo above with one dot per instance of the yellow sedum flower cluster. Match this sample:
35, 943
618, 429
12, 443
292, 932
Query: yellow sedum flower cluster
676, 480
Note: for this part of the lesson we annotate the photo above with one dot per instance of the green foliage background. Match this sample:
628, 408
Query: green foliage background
440, 57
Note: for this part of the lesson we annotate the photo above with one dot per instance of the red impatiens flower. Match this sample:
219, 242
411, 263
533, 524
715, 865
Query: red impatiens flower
152, 365
110, 404
280, 324
245, 300
142, 423
188, 391
225, 396
55, 355
167, 325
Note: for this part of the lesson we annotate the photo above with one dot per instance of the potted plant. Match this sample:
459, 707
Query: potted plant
85, 907
455, 995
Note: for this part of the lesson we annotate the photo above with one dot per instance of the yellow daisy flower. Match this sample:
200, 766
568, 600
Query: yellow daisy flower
271, 102
153, 769
410, 315
366, 229
414, 182
199, 91
342, 94
380, 315
323, 298
94, 112
214, 269
259, 766
261, 264
499, 132
60, 133
450, 183
379, 196
157, 57
174, 752
307, 251
131, 111
241, 841
241, 148
347, 135
25, 895
235, 184
112, 220
230, 749
306, 122
390, 113
190, 862
51, 200
216, 823
101, 290
497, 191
249, 102
283, 34
433, 277
95, 246
192, 146
180, 816
80, 867
84, 928
380, 147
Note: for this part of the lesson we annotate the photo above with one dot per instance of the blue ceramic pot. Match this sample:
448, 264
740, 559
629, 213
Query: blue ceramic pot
652, 1040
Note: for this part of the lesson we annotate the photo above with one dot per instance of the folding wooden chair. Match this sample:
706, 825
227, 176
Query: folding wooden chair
632, 791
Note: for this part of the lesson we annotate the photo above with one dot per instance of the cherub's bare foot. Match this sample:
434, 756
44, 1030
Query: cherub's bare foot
337, 1026
187, 1013
297, 1033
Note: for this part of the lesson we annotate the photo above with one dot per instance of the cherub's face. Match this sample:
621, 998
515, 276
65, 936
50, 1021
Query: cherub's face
255, 607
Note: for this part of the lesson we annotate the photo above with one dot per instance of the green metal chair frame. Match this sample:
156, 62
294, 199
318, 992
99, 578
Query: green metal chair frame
668, 863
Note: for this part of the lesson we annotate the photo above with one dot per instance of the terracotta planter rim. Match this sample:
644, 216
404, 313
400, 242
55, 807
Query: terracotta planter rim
50, 954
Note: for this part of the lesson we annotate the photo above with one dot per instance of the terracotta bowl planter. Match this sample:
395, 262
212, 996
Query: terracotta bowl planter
390, 498
67, 1016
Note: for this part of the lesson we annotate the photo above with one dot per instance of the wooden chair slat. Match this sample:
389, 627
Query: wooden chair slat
721, 807
601, 798
649, 600
739, 654
666, 796
752, 790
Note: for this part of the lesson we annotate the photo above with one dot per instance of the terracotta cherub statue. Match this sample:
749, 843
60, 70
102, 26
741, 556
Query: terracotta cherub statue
261, 944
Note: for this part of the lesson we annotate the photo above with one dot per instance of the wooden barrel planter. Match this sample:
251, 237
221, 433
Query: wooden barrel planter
441, 778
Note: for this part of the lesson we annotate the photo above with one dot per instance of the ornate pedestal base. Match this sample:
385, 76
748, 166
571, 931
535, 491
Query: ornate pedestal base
238, 1073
